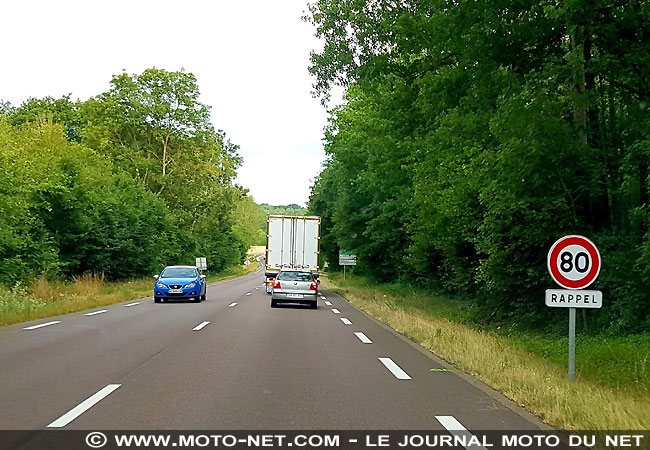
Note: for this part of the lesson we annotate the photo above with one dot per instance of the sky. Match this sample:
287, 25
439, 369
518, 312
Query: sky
250, 58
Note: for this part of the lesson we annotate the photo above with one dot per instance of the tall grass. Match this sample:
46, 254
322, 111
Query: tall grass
17, 303
46, 298
536, 383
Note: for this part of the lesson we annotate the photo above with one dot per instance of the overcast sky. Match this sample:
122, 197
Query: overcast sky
250, 59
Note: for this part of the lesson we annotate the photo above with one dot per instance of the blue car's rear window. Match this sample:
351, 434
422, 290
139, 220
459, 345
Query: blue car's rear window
178, 273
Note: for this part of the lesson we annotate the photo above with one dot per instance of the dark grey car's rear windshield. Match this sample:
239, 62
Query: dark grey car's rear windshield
178, 272
295, 276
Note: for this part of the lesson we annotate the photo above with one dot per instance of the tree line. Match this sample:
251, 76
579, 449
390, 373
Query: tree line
475, 133
284, 210
124, 183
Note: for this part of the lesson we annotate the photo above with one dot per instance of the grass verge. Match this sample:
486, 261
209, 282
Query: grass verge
47, 298
512, 367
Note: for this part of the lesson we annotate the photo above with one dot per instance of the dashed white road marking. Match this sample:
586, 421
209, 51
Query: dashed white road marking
41, 325
96, 312
328, 303
346, 321
232, 304
455, 428
83, 406
199, 326
362, 337
336, 311
132, 304
324, 298
248, 293
395, 369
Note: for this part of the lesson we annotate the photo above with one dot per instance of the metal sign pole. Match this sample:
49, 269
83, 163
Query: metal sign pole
572, 343
343, 273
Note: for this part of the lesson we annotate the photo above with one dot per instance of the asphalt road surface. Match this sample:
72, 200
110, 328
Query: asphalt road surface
234, 363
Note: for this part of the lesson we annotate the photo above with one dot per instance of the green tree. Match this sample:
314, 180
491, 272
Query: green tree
153, 126
288, 210
475, 134
70, 213
62, 111
250, 221
140, 179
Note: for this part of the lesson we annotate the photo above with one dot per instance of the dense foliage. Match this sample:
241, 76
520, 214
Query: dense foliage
285, 210
476, 133
250, 222
124, 183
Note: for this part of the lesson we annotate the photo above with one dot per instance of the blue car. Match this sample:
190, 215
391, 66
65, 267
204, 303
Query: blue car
179, 282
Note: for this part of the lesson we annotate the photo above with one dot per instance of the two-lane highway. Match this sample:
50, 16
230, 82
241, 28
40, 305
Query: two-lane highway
233, 362
45, 370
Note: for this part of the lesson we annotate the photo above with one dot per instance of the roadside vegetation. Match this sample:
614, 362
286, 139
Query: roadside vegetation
612, 389
46, 298
285, 210
121, 184
473, 135
97, 194
470, 139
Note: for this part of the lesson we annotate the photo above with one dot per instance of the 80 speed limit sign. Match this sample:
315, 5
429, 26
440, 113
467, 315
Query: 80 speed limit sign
574, 262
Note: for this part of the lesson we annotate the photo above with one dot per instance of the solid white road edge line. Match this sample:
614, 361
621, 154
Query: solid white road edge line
455, 428
328, 303
199, 326
346, 321
395, 369
33, 327
336, 311
232, 304
96, 312
362, 337
83, 407
132, 304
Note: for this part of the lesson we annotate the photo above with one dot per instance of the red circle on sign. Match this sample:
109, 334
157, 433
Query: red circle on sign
555, 251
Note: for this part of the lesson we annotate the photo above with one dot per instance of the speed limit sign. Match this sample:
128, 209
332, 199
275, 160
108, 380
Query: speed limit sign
574, 262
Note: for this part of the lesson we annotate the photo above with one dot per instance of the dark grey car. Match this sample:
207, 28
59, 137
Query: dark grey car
295, 286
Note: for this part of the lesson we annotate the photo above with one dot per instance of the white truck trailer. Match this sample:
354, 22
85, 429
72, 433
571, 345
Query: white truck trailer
292, 242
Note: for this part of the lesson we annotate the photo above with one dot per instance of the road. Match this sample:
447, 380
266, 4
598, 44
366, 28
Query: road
234, 363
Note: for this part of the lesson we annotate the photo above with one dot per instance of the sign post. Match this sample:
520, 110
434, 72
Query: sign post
346, 259
572, 344
574, 263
